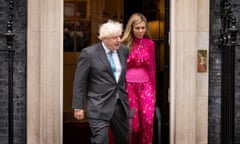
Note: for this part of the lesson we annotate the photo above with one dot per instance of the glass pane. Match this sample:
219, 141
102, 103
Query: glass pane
81, 9
76, 26
68, 36
68, 10
82, 34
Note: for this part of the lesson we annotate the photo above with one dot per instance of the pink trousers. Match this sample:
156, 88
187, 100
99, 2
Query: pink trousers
141, 98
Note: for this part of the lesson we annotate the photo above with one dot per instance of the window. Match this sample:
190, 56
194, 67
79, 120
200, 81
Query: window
76, 25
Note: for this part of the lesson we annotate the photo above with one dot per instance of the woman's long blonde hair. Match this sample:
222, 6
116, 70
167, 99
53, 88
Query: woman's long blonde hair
128, 36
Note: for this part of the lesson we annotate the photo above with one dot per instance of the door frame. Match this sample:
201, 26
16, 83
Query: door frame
45, 71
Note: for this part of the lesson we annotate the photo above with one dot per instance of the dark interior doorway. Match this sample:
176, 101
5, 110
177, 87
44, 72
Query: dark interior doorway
157, 13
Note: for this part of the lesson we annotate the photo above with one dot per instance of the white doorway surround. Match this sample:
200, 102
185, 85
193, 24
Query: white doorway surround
188, 94
189, 32
44, 71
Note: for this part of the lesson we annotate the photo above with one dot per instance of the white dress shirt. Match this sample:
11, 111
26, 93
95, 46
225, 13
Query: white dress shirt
116, 61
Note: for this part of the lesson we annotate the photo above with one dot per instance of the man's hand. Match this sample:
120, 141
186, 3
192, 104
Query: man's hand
79, 114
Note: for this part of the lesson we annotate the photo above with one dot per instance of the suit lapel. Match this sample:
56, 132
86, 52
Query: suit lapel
121, 59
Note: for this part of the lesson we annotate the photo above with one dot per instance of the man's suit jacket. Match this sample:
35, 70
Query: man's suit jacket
95, 80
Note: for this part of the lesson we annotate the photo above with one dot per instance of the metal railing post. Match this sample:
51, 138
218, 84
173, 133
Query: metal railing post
10, 48
228, 43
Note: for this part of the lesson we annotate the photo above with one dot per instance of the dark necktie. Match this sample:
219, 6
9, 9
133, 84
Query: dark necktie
113, 66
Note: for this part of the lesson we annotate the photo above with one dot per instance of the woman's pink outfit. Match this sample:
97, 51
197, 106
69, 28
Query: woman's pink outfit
141, 84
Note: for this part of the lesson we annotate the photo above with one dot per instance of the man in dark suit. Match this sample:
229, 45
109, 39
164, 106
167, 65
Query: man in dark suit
102, 81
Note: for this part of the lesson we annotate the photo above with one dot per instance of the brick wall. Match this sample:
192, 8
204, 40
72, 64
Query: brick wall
214, 108
214, 124
19, 72
3, 77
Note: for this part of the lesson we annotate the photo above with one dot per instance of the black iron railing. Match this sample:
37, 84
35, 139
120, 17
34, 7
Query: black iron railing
228, 43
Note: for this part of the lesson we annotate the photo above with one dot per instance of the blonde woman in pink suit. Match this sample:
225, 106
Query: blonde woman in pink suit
140, 78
